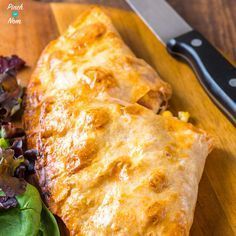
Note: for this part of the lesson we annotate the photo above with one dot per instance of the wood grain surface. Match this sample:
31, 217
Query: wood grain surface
216, 207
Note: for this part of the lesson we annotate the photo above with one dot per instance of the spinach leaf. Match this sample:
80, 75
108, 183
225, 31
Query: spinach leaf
48, 226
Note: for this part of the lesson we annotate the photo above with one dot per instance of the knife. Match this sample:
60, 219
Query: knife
215, 73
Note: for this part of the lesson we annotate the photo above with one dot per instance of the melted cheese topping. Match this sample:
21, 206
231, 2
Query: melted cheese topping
108, 165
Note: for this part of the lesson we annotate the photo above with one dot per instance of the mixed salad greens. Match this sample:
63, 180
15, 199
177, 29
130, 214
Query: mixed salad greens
22, 212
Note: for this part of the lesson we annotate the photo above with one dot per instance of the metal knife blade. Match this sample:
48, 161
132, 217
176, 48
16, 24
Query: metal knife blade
161, 18
215, 73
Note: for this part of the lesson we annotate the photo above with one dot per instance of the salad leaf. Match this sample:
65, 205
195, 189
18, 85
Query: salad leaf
7, 202
14, 164
24, 219
10, 95
13, 62
4, 143
22, 213
10, 185
29, 218
10, 91
9, 131
48, 226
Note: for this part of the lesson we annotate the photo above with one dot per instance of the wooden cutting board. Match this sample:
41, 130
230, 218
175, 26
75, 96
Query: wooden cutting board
41, 22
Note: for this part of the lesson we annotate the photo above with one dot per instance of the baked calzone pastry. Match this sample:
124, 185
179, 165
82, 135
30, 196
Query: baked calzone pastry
109, 165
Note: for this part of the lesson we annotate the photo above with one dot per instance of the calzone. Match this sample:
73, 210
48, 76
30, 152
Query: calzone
108, 164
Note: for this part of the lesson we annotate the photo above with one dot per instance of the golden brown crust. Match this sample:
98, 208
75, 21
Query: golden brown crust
109, 165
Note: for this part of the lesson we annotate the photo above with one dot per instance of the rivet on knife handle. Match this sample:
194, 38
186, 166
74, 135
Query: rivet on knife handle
216, 74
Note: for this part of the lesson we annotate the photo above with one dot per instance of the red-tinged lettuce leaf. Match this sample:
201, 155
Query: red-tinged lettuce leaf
15, 162
8, 82
7, 202
13, 62
10, 91
10, 95
10, 185
9, 131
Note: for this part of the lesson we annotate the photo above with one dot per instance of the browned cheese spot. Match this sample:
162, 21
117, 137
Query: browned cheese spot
156, 212
102, 77
133, 110
158, 182
87, 36
97, 117
82, 155
121, 168
178, 226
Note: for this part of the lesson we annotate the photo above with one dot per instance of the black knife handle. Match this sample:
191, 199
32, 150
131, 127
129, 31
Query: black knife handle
216, 74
